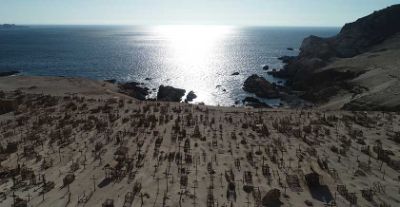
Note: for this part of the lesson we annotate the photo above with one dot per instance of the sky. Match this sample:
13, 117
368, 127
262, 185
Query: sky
189, 12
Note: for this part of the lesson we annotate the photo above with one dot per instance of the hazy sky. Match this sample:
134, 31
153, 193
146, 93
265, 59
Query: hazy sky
216, 12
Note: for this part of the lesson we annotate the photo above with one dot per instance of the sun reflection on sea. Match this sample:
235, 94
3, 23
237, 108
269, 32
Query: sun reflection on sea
191, 45
192, 56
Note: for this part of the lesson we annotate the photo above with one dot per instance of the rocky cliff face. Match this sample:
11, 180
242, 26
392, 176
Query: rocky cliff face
310, 71
357, 37
354, 39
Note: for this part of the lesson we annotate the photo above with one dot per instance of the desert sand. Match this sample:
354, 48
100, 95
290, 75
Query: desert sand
76, 142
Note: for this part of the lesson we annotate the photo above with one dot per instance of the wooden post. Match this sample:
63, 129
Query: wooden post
141, 198
380, 167
94, 183
59, 152
13, 195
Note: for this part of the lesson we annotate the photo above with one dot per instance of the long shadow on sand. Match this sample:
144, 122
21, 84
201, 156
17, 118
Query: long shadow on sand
104, 182
321, 193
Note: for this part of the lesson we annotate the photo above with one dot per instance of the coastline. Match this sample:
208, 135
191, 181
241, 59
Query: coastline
135, 54
122, 119
357, 69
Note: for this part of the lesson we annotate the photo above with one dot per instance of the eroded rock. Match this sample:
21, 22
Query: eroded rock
169, 93
260, 86
134, 89
190, 96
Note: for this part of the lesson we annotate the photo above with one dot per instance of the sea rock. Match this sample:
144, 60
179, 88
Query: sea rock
169, 93
111, 81
8, 73
272, 72
261, 87
134, 89
266, 67
287, 59
254, 102
290, 48
190, 96
235, 73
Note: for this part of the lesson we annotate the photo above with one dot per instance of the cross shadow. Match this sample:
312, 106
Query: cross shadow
104, 182
321, 193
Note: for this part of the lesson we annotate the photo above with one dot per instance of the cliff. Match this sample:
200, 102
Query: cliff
330, 67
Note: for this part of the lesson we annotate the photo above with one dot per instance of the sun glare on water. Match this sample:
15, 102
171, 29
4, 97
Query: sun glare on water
193, 45
193, 54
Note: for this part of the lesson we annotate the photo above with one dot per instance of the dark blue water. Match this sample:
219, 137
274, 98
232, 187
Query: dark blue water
198, 58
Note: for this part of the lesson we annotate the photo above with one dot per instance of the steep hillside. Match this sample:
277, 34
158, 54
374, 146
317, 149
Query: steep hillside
356, 69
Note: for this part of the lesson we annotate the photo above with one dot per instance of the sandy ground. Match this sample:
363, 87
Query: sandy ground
59, 86
380, 83
169, 154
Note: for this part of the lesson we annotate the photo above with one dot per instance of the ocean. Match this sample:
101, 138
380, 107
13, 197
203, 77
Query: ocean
198, 58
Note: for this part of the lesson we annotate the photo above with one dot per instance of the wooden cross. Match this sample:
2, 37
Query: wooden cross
141, 198
94, 183
165, 197
84, 163
167, 174
259, 146
155, 170
158, 184
194, 193
248, 200
59, 152
220, 179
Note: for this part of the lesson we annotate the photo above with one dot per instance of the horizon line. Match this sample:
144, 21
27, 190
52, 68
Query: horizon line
154, 25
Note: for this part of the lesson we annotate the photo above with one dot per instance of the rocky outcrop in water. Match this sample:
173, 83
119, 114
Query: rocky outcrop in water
255, 103
190, 96
169, 93
134, 89
261, 87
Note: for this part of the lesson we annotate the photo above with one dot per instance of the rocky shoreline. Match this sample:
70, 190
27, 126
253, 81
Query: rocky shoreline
313, 71
325, 71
